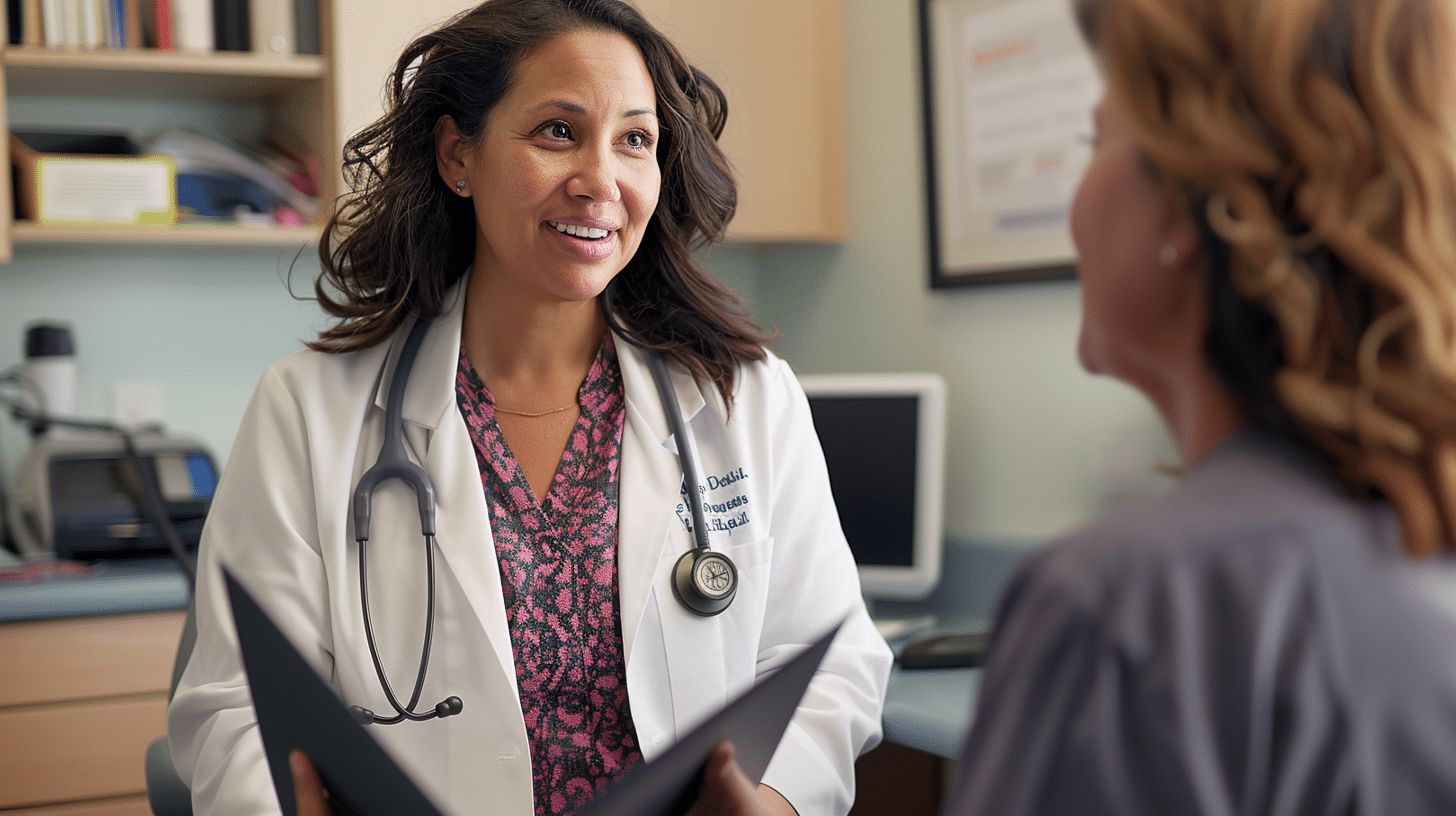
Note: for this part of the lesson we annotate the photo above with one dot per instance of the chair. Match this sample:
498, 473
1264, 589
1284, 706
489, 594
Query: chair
166, 792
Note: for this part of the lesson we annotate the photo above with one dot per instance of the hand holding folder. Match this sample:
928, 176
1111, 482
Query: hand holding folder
298, 711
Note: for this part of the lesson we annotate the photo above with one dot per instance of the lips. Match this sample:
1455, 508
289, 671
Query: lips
587, 242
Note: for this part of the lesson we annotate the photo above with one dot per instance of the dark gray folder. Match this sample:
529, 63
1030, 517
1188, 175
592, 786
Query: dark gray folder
297, 710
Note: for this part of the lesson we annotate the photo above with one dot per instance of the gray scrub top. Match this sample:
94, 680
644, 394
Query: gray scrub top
1253, 643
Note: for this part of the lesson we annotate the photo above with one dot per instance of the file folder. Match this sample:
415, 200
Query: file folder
297, 710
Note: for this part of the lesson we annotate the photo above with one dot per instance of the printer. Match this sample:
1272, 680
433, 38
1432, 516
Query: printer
77, 496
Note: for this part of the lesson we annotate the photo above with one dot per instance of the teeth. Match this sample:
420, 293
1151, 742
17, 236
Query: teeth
579, 232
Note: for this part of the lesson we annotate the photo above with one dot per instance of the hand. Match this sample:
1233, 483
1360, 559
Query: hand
308, 789
728, 792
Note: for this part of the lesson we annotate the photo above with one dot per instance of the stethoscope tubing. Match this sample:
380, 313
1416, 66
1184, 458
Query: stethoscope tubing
685, 453
394, 463
403, 712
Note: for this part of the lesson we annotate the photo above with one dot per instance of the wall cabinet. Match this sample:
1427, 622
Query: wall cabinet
781, 66
296, 92
780, 63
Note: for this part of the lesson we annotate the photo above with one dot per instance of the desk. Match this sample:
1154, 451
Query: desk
930, 709
88, 665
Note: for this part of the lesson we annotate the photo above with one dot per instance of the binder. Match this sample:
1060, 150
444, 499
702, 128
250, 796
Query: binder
297, 709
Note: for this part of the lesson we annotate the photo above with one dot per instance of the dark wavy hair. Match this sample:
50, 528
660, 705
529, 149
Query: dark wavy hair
400, 238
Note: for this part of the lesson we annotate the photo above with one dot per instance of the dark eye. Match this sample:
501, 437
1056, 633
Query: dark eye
558, 130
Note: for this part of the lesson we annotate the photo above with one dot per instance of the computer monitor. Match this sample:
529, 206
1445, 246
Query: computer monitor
883, 436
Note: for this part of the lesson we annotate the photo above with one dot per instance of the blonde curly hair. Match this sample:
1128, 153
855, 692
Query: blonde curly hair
1314, 144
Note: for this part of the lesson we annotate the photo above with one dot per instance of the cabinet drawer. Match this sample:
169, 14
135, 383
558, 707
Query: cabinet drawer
120, 806
67, 753
77, 658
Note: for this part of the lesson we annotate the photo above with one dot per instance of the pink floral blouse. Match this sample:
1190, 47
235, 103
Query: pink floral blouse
558, 563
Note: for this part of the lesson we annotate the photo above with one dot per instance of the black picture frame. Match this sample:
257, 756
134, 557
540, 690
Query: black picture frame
1047, 256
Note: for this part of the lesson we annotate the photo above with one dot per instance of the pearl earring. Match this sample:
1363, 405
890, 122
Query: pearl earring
1168, 255
460, 186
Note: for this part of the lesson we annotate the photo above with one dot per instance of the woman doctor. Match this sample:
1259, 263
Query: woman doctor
533, 192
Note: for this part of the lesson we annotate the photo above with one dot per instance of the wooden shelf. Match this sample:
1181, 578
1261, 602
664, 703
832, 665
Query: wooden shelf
293, 93
145, 73
29, 232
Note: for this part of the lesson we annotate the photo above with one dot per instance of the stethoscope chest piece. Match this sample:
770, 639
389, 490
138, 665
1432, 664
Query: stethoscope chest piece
704, 581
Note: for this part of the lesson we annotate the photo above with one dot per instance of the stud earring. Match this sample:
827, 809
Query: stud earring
1168, 255
460, 186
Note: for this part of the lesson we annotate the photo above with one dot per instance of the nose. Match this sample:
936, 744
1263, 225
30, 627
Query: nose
594, 178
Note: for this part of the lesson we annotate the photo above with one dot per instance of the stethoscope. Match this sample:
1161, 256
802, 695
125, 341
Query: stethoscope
704, 581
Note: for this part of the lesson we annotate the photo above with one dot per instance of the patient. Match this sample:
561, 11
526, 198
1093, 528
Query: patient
1267, 249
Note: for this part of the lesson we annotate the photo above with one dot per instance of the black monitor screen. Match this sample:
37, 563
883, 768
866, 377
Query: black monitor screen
870, 449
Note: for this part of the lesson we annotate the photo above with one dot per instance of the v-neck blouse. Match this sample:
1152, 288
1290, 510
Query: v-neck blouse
558, 563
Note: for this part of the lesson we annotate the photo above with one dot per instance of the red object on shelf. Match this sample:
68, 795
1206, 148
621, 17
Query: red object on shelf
163, 10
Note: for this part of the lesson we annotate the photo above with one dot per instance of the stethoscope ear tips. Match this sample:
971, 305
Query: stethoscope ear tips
449, 707
704, 581
361, 715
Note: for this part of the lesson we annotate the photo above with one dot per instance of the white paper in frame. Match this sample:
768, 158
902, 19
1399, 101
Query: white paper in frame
1008, 90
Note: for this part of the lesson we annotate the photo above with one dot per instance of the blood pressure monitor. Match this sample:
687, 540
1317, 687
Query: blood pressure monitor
78, 496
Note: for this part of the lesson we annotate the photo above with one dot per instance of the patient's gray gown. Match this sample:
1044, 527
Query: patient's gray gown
1253, 643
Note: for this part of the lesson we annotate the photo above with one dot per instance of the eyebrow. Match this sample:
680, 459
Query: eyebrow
571, 107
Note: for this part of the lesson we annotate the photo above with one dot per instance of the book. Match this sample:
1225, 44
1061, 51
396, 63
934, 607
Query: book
162, 20
272, 26
306, 27
192, 26
50, 24
131, 16
93, 30
15, 21
30, 22
115, 24
297, 710
70, 23
230, 25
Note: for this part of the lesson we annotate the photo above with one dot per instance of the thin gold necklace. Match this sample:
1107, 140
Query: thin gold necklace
500, 410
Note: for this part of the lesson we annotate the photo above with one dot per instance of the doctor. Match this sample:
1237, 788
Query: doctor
533, 192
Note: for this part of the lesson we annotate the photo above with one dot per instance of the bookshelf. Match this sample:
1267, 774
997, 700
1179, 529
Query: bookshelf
294, 91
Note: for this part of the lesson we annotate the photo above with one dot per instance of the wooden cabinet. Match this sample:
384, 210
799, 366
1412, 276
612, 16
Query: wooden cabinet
781, 66
296, 92
80, 700
780, 63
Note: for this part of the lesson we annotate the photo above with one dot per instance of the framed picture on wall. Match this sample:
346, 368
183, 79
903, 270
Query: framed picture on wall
1008, 89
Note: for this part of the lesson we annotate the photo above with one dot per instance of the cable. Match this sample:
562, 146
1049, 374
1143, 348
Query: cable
152, 499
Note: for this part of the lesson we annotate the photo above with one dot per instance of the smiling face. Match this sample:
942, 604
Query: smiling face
564, 176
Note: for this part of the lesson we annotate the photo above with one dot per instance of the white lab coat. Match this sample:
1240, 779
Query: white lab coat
281, 521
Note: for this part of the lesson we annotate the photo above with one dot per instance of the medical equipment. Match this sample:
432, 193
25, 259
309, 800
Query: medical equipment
704, 581
82, 496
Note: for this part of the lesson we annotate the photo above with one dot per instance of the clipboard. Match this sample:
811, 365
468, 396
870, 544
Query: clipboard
296, 709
